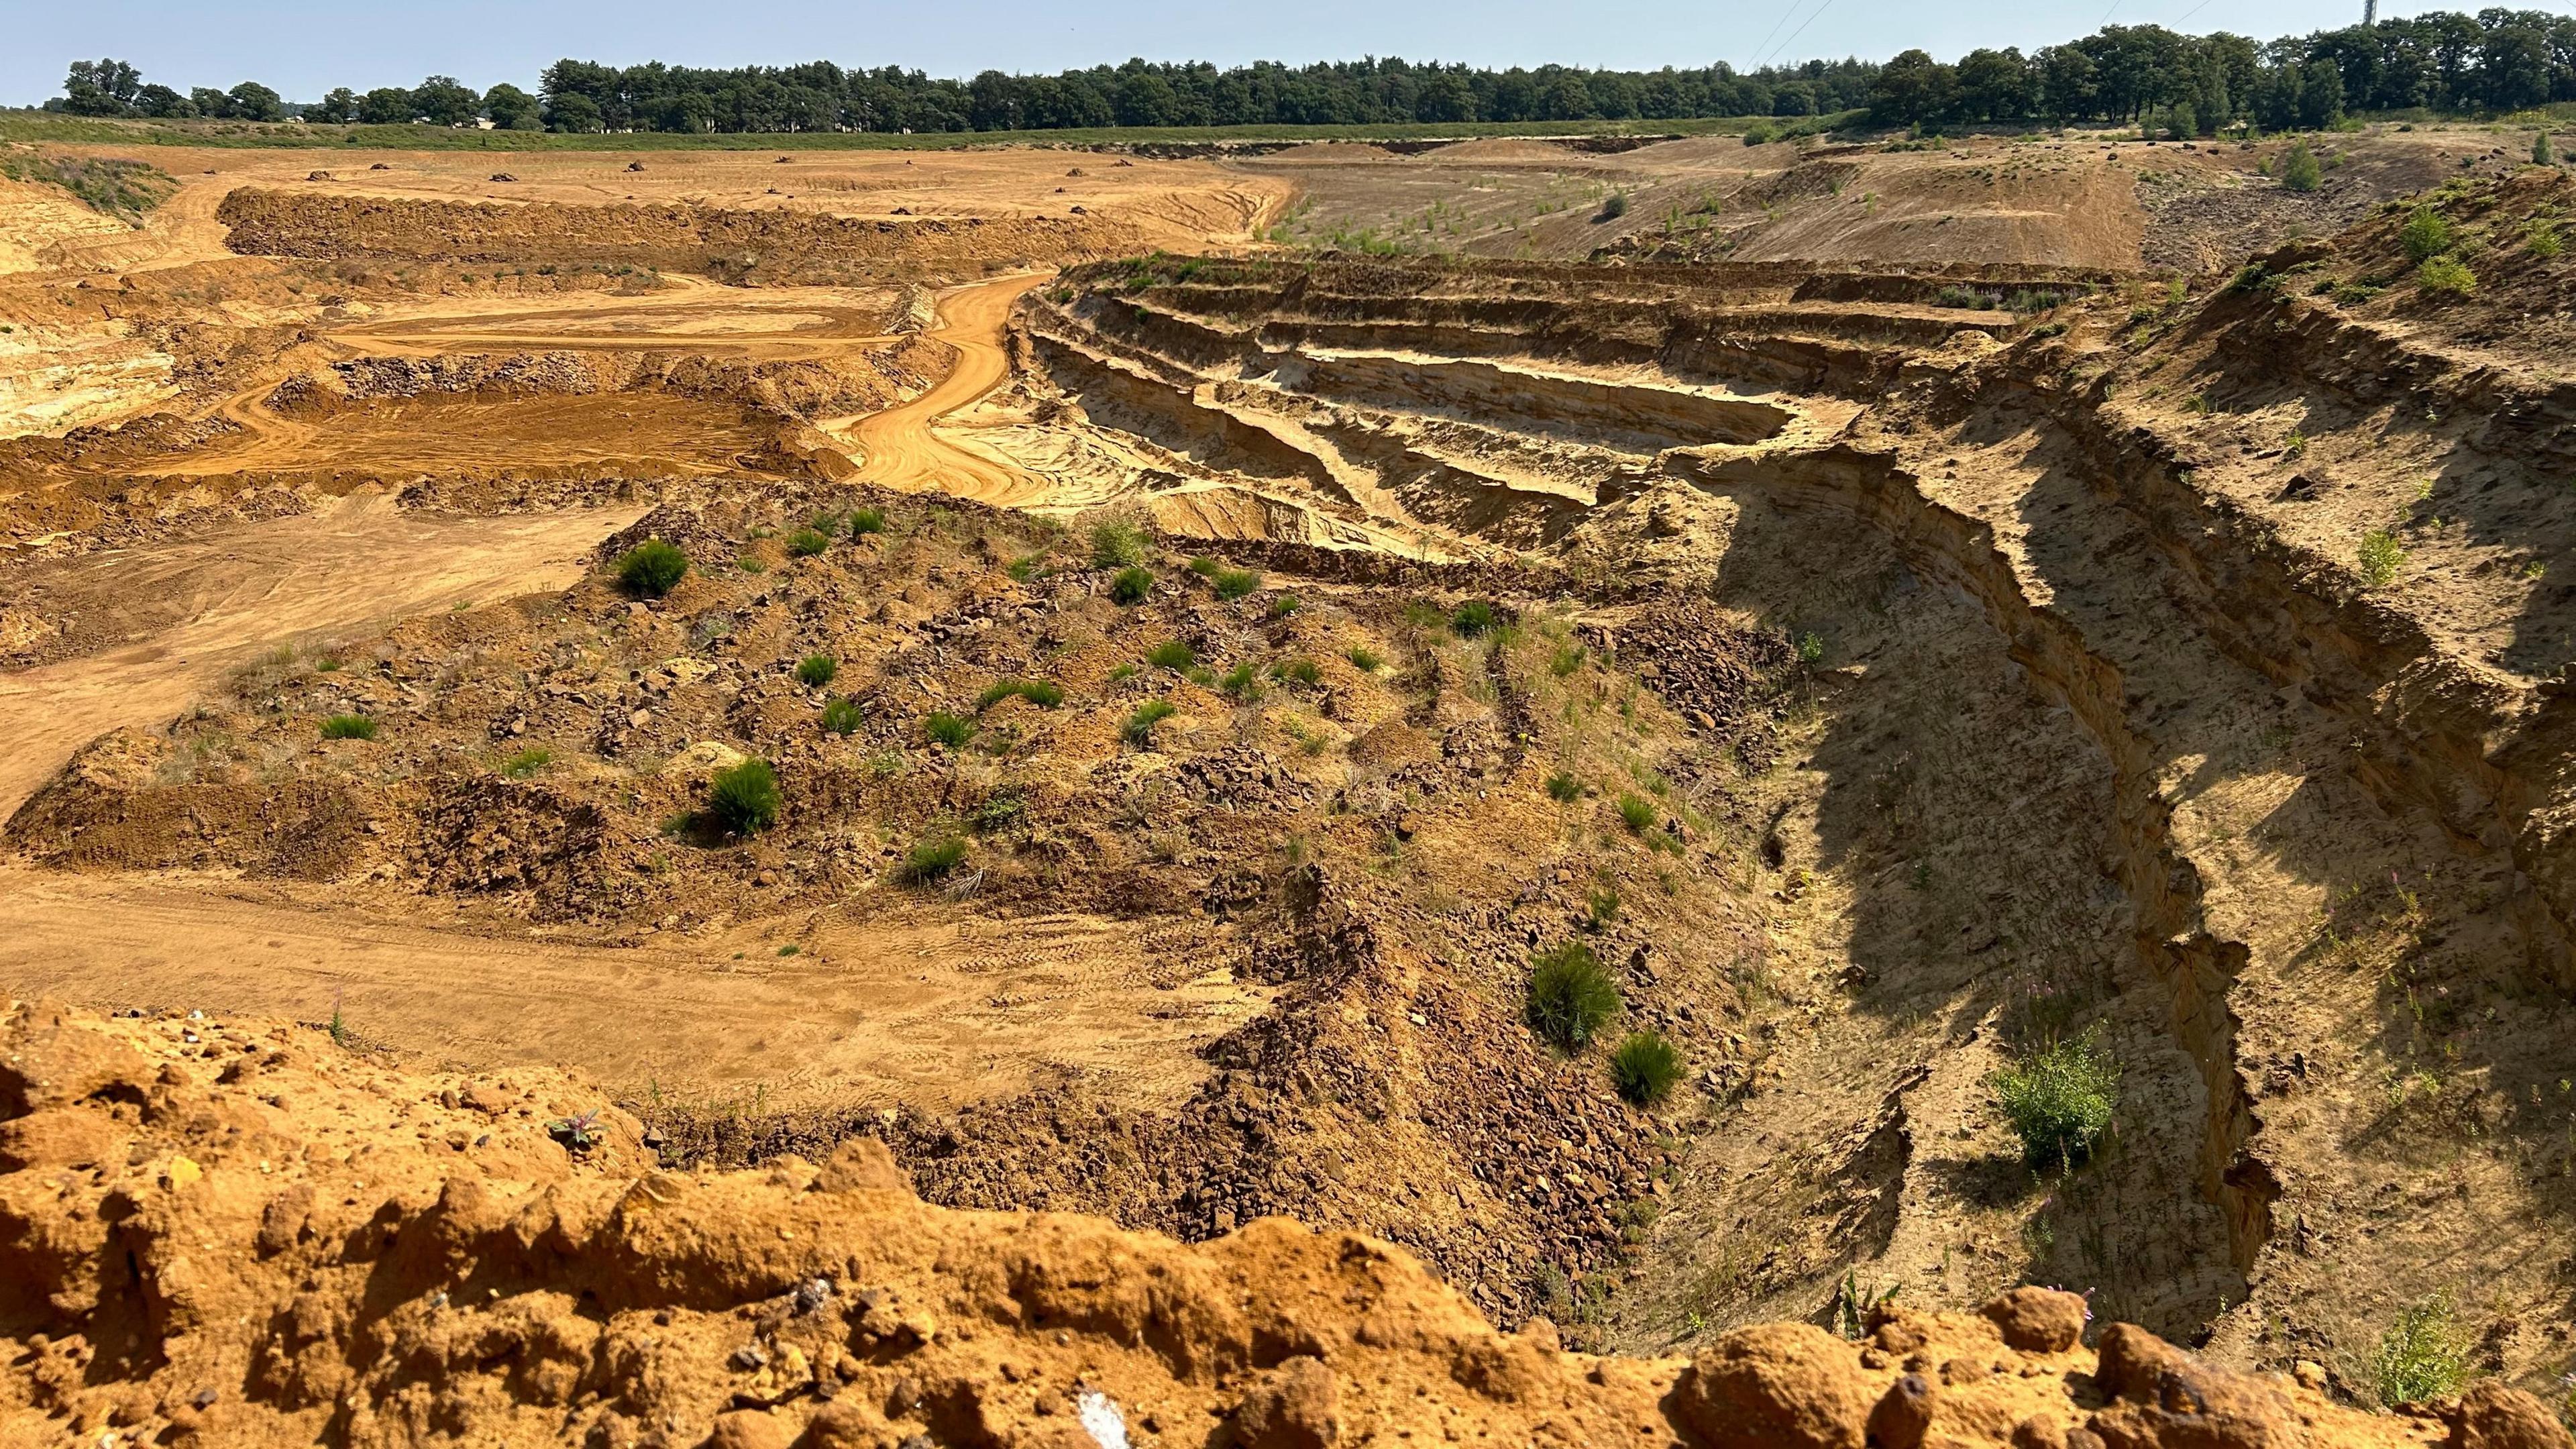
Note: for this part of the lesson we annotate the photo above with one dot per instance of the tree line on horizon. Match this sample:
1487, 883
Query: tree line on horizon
2497, 60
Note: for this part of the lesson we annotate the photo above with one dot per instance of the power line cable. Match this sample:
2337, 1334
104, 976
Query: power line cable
1785, 12
1801, 30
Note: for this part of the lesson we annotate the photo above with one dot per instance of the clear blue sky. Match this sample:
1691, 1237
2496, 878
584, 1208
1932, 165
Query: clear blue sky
304, 47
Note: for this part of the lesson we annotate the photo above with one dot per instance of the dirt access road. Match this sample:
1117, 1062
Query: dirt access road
936, 1010
902, 447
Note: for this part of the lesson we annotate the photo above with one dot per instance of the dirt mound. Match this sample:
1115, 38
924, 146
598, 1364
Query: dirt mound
859, 381
770, 246
245, 1233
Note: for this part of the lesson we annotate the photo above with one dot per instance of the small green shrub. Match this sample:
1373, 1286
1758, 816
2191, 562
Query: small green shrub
1131, 585
934, 855
2540, 153
2299, 169
1363, 658
1173, 655
1570, 997
1001, 810
1613, 207
745, 798
1563, 788
1567, 659
2381, 557
1636, 811
2541, 239
1242, 682
2059, 1100
1472, 618
1645, 1068
1206, 565
841, 716
866, 520
652, 568
1298, 671
1036, 691
2446, 277
1283, 605
1139, 728
348, 727
1235, 583
1811, 649
816, 670
805, 543
2425, 234
1117, 544
943, 728
526, 763
2422, 1356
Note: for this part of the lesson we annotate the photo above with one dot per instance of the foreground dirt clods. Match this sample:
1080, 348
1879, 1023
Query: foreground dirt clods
228, 1232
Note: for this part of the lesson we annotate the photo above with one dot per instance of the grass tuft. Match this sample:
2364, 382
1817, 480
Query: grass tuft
816, 670
348, 727
526, 763
934, 855
1036, 691
1570, 997
1131, 585
1645, 1068
1636, 811
866, 520
841, 716
1472, 618
947, 729
1173, 655
745, 799
1563, 788
807, 542
1139, 728
651, 568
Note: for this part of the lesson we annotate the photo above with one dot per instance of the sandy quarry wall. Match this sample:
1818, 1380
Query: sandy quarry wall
775, 246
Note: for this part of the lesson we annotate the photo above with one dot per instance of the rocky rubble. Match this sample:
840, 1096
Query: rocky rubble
243, 1234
